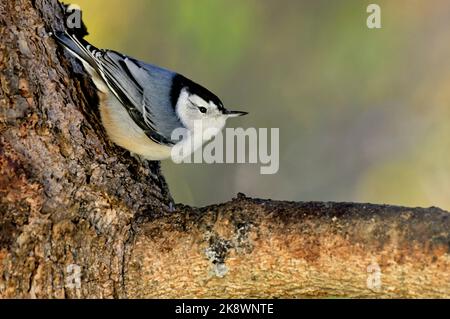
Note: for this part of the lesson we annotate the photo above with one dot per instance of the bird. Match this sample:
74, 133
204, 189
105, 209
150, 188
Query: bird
142, 105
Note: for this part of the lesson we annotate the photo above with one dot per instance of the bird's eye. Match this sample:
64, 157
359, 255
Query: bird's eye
202, 109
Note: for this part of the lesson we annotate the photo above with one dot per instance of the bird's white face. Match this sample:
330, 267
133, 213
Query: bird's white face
194, 111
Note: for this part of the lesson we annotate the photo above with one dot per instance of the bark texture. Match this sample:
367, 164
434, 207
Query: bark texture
81, 218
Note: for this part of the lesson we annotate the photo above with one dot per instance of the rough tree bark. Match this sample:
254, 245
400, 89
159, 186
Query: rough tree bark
74, 206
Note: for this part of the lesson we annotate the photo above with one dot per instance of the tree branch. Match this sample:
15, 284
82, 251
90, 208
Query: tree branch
262, 248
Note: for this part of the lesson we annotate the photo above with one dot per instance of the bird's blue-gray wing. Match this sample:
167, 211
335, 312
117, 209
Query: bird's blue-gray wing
144, 90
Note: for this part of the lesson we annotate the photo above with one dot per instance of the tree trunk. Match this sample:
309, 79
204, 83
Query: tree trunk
81, 218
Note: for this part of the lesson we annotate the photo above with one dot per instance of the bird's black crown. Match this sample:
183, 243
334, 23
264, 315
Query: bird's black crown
180, 82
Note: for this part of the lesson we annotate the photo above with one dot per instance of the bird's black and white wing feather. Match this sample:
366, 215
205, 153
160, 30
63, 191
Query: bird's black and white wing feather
143, 89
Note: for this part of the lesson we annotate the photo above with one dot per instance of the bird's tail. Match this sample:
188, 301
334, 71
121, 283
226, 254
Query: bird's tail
79, 48
73, 38
87, 54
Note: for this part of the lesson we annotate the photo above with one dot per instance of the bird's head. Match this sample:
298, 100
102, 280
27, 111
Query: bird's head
195, 104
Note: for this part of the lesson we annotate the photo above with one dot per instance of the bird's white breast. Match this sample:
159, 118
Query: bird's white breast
123, 131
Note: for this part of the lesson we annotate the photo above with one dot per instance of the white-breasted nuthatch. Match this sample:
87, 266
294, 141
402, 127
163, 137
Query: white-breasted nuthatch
142, 104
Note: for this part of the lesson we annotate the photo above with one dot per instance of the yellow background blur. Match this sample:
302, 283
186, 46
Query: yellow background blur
364, 115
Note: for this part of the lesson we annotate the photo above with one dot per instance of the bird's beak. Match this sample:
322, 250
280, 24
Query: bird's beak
234, 113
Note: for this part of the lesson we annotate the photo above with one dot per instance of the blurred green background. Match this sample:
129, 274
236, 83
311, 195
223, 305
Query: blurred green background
363, 114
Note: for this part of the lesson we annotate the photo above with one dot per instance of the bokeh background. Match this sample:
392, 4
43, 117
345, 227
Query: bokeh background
364, 115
